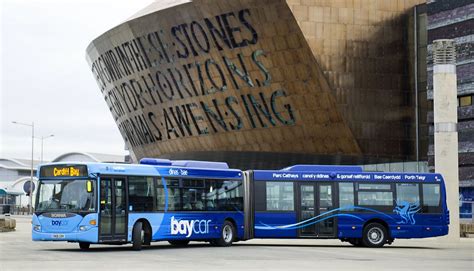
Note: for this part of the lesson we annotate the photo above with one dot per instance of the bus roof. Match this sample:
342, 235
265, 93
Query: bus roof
184, 163
323, 168
179, 169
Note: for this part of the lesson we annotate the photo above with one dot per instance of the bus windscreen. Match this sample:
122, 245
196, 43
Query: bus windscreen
66, 196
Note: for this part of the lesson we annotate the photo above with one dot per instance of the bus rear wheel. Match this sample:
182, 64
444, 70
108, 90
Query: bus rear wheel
84, 246
179, 243
374, 235
227, 235
138, 236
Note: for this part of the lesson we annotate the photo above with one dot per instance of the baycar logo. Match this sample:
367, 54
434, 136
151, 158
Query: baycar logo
58, 222
188, 227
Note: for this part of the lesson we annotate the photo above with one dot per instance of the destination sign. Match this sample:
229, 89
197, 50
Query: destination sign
366, 176
64, 171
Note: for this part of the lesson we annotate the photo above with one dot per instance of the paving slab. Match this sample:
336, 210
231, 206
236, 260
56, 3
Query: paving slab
18, 252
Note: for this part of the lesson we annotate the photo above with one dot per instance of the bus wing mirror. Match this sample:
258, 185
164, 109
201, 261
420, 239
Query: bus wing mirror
89, 186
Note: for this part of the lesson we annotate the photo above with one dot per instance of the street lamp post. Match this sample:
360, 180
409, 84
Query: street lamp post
42, 139
32, 125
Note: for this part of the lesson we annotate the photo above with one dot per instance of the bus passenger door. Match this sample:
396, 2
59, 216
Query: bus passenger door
327, 226
315, 201
307, 213
113, 210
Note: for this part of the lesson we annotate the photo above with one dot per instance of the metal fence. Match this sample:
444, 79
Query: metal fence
13, 209
398, 167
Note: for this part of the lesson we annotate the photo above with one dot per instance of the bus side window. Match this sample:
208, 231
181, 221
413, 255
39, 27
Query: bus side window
261, 199
346, 196
374, 195
431, 198
229, 195
280, 196
141, 193
408, 192
193, 195
174, 201
210, 195
160, 196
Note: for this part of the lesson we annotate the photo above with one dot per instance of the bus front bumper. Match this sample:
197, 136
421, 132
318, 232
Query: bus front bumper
89, 236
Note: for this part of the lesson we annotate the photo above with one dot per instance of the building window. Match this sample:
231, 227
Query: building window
280, 196
465, 100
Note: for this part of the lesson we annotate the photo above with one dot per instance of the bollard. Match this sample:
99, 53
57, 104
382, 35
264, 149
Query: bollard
7, 224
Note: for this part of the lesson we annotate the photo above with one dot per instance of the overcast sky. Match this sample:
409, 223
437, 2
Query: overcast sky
45, 77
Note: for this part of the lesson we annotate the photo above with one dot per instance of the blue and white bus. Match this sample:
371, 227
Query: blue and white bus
344, 202
182, 201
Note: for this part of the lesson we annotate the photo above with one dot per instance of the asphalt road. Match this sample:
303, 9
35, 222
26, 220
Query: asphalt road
18, 252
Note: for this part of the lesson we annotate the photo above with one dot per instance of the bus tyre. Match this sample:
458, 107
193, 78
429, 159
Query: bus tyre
179, 243
84, 246
138, 236
375, 235
227, 235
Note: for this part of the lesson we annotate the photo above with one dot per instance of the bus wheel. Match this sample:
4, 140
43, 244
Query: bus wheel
375, 235
138, 236
179, 243
227, 235
84, 246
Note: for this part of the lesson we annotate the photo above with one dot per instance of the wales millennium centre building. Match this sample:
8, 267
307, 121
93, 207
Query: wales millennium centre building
270, 83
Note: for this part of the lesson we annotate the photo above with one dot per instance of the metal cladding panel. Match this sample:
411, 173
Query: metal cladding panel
254, 76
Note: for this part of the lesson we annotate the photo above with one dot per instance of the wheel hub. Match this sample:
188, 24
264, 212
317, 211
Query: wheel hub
227, 233
375, 235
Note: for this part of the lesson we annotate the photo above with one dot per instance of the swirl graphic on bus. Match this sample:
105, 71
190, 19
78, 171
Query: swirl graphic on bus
407, 211
320, 218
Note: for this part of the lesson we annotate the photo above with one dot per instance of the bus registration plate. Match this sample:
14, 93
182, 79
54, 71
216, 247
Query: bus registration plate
58, 236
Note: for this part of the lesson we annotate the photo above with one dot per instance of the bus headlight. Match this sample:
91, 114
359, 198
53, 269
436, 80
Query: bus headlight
83, 228
37, 227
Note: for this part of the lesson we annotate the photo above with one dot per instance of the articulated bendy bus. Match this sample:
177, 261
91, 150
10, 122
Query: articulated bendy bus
182, 201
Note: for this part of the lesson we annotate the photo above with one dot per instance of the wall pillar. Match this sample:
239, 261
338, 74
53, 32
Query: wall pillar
445, 127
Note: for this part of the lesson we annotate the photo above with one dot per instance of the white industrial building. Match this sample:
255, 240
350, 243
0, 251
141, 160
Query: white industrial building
14, 173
